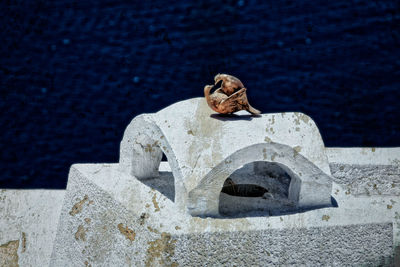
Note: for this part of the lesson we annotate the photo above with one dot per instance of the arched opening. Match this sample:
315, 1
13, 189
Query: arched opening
257, 188
164, 182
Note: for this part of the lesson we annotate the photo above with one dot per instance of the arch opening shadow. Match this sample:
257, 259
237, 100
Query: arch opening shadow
256, 189
164, 182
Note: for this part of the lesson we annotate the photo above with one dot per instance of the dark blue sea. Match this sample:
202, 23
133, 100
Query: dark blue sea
74, 73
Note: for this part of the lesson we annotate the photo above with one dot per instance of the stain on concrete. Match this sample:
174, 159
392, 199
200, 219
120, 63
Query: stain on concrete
264, 153
301, 117
267, 139
155, 203
326, 217
177, 228
211, 131
143, 217
128, 233
88, 220
9, 254
190, 132
23, 242
228, 161
389, 207
148, 148
77, 208
161, 250
81, 233
297, 150
373, 149
272, 119
270, 130
153, 230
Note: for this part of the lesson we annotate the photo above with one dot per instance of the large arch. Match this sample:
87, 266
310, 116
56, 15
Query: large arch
309, 186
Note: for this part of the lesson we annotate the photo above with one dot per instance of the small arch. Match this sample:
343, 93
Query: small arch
164, 182
142, 148
259, 188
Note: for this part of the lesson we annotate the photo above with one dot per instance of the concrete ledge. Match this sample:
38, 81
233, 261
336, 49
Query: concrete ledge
352, 245
367, 179
101, 216
150, 211
369, 173
364, 155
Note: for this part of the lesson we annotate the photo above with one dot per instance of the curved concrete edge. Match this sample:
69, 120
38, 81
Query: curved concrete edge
309, 186
140, 154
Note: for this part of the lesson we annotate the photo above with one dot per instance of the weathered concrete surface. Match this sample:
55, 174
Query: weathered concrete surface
28, 224
123, 221
96, 229
352, 245
364, 155
368, 173
368, 179
204, 148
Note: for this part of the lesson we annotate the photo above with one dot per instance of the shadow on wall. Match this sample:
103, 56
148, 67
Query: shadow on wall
233, 117
165, 184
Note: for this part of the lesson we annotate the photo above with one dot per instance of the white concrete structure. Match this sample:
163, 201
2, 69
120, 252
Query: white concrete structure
323, 206
204, 150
